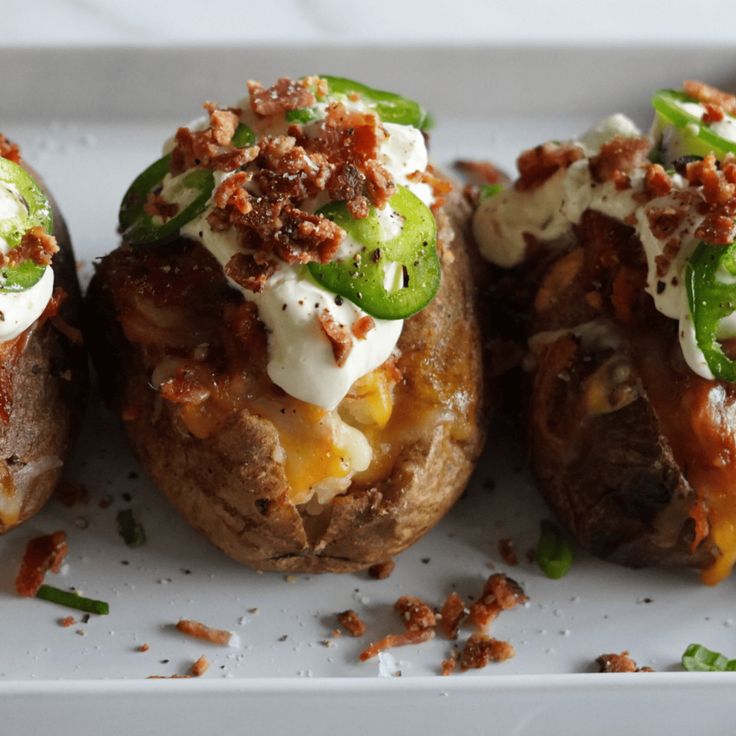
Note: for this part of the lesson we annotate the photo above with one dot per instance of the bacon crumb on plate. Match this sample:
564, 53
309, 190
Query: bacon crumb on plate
452, 614
480, 650
207, 633
619, 663
416, 636
500, 593
67, 621
507, 551
42, 554
351, 622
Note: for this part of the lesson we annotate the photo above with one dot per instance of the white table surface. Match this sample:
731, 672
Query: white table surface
66, 22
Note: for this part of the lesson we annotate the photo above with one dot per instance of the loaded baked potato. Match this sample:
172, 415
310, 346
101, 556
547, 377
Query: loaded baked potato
289, 327
620, 246
43, 367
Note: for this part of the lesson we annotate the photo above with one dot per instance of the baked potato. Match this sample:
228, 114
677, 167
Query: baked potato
43, 366
617, 248
251, 427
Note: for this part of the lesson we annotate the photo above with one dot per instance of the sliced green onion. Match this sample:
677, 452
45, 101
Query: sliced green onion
72, 600
696, 658
243, 136
302, 115
490, 190
130, 529
554, 554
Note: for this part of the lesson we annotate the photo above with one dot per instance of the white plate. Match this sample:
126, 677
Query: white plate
90, 120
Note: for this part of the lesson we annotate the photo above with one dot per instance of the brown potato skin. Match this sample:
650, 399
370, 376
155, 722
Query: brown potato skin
612, 478
49, 385
230, 487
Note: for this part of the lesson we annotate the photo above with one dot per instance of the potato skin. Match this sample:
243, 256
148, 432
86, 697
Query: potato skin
230, 486
610, 476
49, 389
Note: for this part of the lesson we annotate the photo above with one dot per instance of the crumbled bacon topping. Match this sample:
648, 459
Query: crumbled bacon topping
664, 221
156, 206
719, 193
452, 614
35, 245
201, 631
42, 554
448, 666
67, 621
506, 546
713, 113
618, 158
538, 164
362, 326
211, 148
245, 271
338, 335
500, 593
416, 613
706, 94
200, 666
287, 94
9, 150
619, 663
351, 622
657, 183
480, 650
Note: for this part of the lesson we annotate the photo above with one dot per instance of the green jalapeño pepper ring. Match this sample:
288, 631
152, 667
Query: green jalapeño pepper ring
391, 108
35, 212
137, 226
361, 278
711, 300
697, 137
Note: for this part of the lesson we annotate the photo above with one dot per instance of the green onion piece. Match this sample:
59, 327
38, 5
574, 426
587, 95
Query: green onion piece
696, 658
490, 190
554, 554
243, 136
303, 115
72, 600
130, 529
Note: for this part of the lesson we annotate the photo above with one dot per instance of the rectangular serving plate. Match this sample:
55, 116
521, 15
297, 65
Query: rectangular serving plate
89, 120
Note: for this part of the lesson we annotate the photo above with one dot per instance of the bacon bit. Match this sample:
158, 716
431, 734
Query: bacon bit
156, 206
448, 666
42, 554
657, 183
201, 631
500, 593
716, 190
200, 666
232, 193
143, 648
594, 300
72, 494
716, 230
506, 547
619, 663
67, 621
710, 95
396, 640
347, 184
286, 94
9, 150
185, 386
416, 614
713, 113
538, 164
621, 181
362, 326
35, 245
243, 269
452, 614
351, 622
211, 148
480, 650
382, 570
338, 335
664, 221
440, 186
619, 156
480, 172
